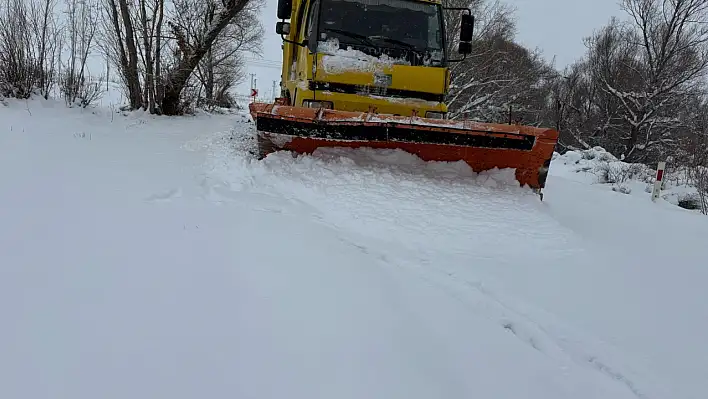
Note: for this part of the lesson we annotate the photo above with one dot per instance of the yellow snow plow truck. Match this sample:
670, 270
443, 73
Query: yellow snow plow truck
374, 73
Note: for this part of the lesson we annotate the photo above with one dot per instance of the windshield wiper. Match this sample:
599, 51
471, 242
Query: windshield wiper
398, 42
361, 38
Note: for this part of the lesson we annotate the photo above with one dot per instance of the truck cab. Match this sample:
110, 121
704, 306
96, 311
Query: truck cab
381, 56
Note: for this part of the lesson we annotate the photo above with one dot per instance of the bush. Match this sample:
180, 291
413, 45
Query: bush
699, 177
77, 91
28, 45
690, 201
618, 174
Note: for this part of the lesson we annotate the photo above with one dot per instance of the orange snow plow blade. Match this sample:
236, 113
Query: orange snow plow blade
482, 146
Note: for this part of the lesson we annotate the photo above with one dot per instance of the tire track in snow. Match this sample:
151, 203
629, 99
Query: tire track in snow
535, 334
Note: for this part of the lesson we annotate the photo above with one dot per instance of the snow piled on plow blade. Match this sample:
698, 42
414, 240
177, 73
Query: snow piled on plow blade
483, 147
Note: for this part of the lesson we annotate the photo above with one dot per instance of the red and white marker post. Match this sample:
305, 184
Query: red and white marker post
659, 180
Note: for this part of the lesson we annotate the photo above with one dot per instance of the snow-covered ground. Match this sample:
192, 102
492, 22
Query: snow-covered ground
149, 257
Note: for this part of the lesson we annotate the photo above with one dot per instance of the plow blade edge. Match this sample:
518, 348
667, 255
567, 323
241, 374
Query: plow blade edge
482, 146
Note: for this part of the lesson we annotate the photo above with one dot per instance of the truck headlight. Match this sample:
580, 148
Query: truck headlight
317, 104
435, 115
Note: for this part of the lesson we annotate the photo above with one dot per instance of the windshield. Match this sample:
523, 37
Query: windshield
400, 28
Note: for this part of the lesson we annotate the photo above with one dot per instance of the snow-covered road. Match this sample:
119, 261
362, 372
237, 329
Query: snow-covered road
145, 257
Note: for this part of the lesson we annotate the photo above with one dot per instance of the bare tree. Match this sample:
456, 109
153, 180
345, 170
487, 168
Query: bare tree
76, 85
149, 17
699, 176
572, 109
161, 48
146, 29
46, 33
119, 38
29, 36
18, 62
611, 63
221, 67
692, 155
191, 52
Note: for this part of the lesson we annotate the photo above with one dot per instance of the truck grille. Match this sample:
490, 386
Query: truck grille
372, 90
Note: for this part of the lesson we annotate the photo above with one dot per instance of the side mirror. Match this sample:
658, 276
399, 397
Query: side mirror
282, 28
285, 8
465, 48
466, 28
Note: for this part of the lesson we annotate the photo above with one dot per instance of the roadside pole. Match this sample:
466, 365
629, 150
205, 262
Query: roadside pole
658, 182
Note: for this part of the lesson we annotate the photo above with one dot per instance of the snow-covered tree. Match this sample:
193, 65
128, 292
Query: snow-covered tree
500, 75
648, 70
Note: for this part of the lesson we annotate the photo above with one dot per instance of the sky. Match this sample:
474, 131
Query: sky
556, 27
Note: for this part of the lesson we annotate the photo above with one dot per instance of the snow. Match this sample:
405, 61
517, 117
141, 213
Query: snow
147, 257
336, 60
597, 166
420, 121
414, 102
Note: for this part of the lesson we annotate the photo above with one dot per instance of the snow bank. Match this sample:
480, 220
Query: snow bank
597, 166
